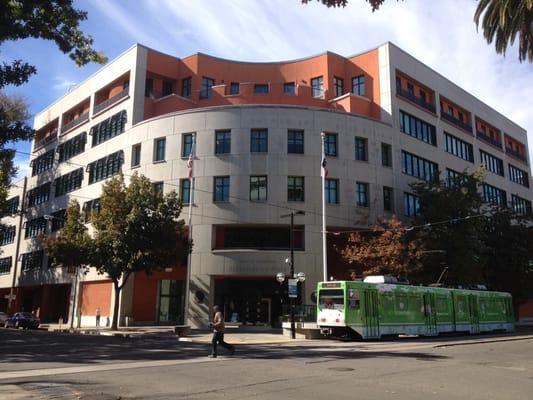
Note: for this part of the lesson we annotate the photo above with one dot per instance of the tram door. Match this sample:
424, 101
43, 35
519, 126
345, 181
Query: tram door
474, 314
371, 313
430, 314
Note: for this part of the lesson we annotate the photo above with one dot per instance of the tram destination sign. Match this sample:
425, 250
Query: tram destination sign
331, 285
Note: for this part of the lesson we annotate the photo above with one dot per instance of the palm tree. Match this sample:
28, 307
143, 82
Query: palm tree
503, 20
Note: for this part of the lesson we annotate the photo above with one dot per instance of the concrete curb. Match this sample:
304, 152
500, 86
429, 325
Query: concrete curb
484, 341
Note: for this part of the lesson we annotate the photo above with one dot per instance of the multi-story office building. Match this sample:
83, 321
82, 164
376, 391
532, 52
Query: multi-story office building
389, 120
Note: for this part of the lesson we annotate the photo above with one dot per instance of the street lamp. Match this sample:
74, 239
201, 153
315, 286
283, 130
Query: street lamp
293, 279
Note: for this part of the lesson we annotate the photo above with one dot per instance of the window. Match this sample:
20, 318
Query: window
222, 142
221, 188
258, 188
419, 167
454, 179
494, 195
166, 90
206, 92
332, 191
289, 88
105, 167
411, 205
295, 188
386, 155
148, 87
520, 205
136, 155
42, 163
72, 147
158, 187
261, 88
338, 86
186, 145
295, 142
12, 205
33, 260
7, 235
5, 265
109, 128
38, 195
388, 199
317, 88
362, 194
361, 149
516, 175
493, 164
159, 149
458, 147
69, 182
259, 141
234, 88
417, 128
35, 227
330, 144
186, 87
410, 89
58, 220
185, 191
258, 237
90, 208
358, 85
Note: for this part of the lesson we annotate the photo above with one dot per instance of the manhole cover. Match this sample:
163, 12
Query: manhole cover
341, 369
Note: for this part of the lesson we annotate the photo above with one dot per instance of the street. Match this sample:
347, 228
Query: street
43, 365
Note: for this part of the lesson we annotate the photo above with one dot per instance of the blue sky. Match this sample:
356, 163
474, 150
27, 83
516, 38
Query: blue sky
444, 37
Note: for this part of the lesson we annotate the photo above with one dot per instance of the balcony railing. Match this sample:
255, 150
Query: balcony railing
515, 154
106, 103
417, 100
456, 121
75, 122
486, 138
47, 139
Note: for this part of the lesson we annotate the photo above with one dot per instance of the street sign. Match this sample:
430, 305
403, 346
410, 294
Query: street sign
293, 288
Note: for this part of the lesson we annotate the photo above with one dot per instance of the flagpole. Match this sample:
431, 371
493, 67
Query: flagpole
189, 225
324, 242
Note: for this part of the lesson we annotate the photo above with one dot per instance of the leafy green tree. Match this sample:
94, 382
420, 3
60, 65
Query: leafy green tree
502, 22
55, 20
455, 210
137, 229
387, 250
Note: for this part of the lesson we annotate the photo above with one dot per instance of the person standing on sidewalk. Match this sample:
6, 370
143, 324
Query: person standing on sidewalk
218, 333
98, 315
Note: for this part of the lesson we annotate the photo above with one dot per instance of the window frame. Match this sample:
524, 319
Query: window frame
361, 149
317, 87
223, 147
259, 143
362, 194
328, 189
160, 151
295, 187
327, 145
221, 189
136, 155
261, 183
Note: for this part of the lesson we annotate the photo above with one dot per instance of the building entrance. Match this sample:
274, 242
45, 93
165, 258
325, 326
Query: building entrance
250, 302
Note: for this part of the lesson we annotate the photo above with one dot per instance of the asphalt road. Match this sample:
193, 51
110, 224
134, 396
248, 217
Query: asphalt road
42, 365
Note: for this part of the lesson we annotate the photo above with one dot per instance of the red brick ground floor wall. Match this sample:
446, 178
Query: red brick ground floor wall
526, 310
96, 294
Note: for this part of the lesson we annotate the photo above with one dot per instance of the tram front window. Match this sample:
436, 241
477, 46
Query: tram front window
331, 299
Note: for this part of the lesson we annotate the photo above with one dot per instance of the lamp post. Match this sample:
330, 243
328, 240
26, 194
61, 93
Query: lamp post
293, 279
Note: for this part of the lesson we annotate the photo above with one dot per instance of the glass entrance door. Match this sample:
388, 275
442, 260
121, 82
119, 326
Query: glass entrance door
171, 302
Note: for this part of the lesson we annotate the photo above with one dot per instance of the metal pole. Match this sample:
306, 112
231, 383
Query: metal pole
189, 224
293, 327
74, 299
324, 241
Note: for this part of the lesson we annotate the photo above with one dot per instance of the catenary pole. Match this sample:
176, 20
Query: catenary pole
189, 224
324, 241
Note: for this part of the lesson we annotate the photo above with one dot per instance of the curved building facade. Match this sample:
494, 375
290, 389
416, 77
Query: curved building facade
388, 119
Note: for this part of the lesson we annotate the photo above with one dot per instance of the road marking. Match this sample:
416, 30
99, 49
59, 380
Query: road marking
103, 367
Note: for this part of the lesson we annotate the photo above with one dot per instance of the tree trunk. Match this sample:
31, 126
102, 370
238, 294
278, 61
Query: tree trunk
114, 323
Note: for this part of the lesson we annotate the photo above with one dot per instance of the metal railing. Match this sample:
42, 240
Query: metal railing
515, 154
47, 139
486, 138
106, 103
75, 122
302, 313
417, 100
456, 121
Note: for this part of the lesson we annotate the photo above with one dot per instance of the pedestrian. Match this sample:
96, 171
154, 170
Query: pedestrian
98, 314
218, 333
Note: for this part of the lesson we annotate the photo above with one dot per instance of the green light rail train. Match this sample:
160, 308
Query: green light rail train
371, 310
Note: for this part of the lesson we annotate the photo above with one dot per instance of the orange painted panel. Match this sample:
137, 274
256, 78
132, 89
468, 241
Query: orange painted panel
526, 310
96, 295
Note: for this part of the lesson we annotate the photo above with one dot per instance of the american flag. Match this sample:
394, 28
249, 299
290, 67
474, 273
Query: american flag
190, 165
324, 168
